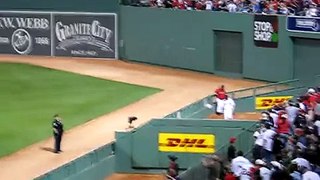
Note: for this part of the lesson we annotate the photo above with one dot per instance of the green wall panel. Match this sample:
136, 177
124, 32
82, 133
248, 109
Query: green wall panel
62, 5
185, 39
139, 149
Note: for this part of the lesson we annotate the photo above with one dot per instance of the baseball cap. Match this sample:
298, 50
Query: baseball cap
302, 162
260, 162
232, 140
276, 164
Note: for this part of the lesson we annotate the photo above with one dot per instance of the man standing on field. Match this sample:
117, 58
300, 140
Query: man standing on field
57, 132
220, 95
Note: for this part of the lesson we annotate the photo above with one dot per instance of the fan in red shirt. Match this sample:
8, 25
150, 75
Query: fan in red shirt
220, 92
220, 95
283, 123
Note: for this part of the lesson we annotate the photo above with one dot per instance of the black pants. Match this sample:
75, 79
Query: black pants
257, 152
57, 141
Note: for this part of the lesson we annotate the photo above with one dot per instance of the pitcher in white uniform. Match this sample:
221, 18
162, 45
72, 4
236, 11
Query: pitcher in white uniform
229, 107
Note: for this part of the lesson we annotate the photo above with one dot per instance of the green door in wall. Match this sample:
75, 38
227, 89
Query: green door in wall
306, 58
228, 52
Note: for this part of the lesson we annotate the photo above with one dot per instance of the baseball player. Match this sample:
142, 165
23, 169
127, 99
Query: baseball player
220, 96
228, 109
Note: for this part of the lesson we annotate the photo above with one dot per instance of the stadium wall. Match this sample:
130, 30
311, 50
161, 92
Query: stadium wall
188, 39
139, 150
62, 5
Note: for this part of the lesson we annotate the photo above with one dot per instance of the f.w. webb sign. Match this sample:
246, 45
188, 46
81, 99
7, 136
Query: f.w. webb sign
58, 34
25, 33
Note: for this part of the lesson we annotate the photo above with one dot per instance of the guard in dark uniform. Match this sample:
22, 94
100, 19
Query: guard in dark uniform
57, 132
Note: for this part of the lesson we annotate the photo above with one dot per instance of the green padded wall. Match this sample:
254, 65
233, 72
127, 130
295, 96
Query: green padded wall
306, 58
185, 39
62, 5
139, 149
228, 51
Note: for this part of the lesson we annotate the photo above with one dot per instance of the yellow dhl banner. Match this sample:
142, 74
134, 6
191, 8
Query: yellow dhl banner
269, 102
188, 143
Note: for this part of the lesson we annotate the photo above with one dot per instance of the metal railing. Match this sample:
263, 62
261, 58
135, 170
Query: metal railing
241, 93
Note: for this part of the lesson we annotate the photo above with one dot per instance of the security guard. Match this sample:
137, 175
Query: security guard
57, 132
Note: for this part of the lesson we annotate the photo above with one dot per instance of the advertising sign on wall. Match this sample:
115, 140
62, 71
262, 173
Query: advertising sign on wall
84, 35
76, 34
25, 33
187, 143
268, 102
303, 24
265, 31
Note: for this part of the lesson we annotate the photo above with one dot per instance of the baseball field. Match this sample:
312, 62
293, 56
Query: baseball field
31, 95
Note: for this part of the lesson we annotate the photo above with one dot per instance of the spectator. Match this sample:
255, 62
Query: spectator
283, 126
229, 175
257, 149
173, 169
231, 6
209, 5
300, 121
263, 171
268, 143
241, 166
232, 149
292, 111
213, 164
294, 173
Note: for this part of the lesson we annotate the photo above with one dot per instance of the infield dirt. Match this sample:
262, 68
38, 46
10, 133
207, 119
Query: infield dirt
180, 87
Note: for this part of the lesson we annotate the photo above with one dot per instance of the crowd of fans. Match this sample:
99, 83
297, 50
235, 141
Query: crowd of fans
310, 8
287, 145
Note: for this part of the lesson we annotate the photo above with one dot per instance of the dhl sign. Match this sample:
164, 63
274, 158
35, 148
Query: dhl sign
188, 143
269, 102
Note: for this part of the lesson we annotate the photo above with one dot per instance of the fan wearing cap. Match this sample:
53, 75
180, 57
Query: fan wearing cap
173, 169
278, 171
312, 99
294, 172
305, 168
220, 95
292, 111
266, 118
268, 136
231, 149
300, 121
262, 172
258, 135
283, 126
241, 167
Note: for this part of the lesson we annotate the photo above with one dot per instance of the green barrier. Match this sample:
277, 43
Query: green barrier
85, 165
139, 149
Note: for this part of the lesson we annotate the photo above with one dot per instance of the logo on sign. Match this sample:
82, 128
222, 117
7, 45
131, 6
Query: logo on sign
93, 34
21, 41
263, 31
308, 24
269, 102
188, 143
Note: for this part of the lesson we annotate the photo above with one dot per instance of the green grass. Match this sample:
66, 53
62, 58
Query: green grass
31, 95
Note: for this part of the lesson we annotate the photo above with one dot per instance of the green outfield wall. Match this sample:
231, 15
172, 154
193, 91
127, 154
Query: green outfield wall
62, 5
196, 40
140, 149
